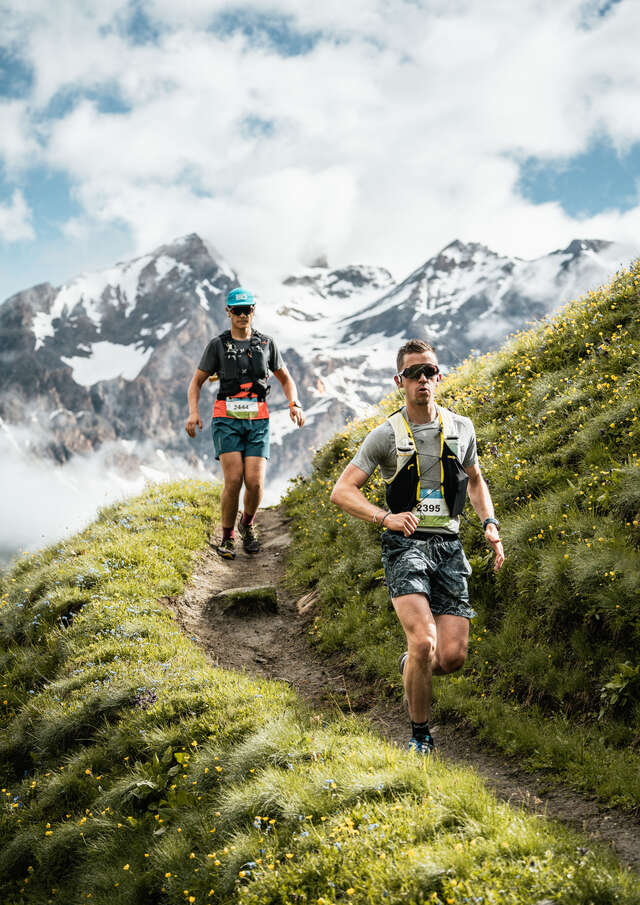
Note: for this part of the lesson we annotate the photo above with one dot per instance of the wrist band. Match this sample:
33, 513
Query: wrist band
294, 404
384, 517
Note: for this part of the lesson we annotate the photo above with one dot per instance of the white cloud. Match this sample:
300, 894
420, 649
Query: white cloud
67, 497
397, 132
15, 219
18, 146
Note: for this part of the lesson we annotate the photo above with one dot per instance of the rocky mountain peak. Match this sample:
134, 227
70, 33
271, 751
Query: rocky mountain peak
580, 246
459, 254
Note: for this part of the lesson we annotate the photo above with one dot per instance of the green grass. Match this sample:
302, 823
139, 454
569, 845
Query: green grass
553, 674
133, 772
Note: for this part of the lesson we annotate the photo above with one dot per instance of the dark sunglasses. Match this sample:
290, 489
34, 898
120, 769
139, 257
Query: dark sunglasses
241, 309
414, 372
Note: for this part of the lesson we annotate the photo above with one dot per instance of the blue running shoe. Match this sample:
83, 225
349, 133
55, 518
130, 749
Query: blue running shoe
422, 745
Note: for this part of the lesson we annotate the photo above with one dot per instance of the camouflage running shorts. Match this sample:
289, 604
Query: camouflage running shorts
436, 567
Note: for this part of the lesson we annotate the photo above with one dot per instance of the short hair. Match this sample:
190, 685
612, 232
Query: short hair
413, 345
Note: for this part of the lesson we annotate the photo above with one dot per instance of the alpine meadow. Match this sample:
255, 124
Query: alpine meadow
134, 772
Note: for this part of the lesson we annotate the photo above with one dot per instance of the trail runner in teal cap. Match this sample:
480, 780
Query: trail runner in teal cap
242, 359
428, 460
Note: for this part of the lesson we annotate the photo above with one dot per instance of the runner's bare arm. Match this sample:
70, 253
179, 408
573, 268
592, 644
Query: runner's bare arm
483, 505
348, 495
289, 389
193, 396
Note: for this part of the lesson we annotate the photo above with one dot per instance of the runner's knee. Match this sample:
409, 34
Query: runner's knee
233, 483
452, 657
423, 649
253, 483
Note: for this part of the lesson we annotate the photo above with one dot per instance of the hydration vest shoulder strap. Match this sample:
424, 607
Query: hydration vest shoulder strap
405, 444
453, 478
447, 423
223, 341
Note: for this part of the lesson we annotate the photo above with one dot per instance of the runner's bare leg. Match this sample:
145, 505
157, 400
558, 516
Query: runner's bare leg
254, 471
453, 639
420, 630
232, 472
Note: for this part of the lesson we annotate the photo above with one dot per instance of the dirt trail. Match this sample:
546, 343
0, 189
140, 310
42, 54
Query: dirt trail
275, 645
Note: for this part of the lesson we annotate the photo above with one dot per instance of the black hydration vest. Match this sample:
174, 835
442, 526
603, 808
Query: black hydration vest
403, 491
230, 377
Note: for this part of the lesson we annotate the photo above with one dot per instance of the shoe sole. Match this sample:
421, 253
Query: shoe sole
225, 554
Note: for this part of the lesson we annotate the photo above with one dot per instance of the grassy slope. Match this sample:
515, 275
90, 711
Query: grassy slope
134, 772
553, 673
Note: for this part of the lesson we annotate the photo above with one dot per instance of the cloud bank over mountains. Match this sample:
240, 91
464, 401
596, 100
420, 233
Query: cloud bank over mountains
359, 131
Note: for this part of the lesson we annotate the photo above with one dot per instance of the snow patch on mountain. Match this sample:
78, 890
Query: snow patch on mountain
164, 265
107, 361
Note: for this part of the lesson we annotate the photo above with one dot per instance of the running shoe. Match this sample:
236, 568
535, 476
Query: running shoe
422, 745
226, 548
249, 535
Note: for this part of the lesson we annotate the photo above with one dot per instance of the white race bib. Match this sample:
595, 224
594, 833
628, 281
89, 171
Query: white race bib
432, 510
242, 408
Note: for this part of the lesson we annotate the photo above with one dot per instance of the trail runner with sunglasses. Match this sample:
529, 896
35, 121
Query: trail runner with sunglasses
242, 358
428, 459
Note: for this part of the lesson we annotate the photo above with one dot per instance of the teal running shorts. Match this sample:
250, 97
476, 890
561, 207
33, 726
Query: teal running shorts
251, 438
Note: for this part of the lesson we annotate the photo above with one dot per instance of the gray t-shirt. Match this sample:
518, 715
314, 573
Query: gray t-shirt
379, 450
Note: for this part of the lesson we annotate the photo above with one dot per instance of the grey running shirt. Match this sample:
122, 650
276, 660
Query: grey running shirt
379, 449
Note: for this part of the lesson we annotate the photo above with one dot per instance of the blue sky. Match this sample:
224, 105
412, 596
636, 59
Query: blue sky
597, 179
375, 131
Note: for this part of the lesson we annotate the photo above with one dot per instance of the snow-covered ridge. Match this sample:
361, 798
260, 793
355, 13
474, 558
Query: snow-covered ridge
119, 288
470, 291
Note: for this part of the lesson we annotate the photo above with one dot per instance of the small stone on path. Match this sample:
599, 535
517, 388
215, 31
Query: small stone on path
245, 601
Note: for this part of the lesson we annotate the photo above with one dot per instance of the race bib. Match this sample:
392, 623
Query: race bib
242, 408
432, 510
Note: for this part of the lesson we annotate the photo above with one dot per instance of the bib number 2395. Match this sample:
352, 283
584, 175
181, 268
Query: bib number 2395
432, 510
242, 408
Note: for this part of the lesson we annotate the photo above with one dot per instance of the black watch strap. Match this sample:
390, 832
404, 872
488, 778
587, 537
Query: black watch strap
491, 521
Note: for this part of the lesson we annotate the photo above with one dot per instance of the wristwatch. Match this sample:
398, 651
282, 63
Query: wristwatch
294, 404
491, 521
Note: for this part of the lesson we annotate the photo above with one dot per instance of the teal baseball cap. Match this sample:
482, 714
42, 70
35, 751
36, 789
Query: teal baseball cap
239, 296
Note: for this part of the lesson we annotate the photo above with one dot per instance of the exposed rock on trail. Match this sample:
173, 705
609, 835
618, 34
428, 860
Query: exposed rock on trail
245, 618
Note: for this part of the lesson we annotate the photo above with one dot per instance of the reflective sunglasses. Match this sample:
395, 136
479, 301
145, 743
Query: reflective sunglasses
414, 372
241, 309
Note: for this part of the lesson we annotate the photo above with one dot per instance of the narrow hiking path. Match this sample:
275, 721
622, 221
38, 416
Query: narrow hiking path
274, 643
